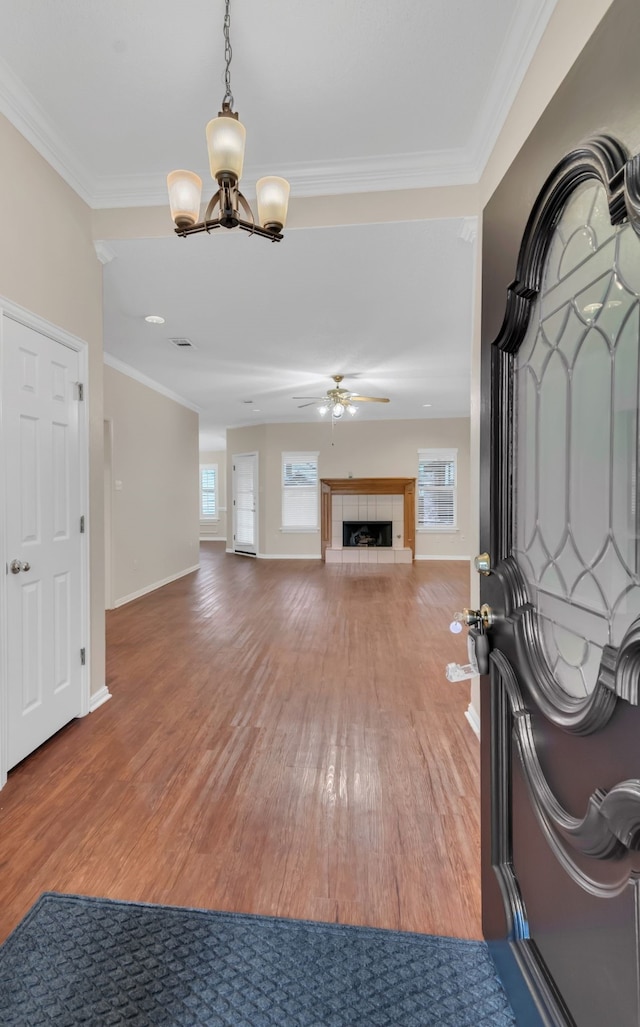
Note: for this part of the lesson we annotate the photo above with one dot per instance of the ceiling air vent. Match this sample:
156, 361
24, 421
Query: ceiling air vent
182, 343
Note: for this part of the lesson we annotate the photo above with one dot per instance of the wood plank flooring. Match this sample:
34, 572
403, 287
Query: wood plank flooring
281, 740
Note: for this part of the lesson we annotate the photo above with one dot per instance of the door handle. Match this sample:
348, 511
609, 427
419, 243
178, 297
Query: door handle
16, 566
477, 643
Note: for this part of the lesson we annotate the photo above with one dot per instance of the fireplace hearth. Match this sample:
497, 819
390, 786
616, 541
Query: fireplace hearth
366, 534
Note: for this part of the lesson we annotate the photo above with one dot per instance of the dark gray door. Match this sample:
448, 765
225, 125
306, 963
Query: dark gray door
560, 716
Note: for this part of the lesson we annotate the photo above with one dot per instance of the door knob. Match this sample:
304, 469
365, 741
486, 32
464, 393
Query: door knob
482, 616
16, 566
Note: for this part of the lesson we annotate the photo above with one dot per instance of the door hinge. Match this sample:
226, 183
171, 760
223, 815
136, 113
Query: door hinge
80, 391
83, 656
82, 525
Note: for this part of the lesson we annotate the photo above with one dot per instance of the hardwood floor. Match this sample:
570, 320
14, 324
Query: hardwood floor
281, 740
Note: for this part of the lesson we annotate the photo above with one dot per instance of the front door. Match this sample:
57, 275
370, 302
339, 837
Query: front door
560, 715
245, 503
43, 540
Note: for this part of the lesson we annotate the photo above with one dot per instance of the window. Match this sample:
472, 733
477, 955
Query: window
437, 480
208, 492
300, 491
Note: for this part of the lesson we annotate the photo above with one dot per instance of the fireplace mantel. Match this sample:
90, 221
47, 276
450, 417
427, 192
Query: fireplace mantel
369, 487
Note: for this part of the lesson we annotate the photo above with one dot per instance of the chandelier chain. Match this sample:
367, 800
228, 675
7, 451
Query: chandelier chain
228, 53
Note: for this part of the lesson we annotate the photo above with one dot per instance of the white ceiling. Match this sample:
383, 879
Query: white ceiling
344, 96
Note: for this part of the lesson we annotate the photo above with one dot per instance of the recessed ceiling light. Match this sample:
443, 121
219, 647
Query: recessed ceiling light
154, 319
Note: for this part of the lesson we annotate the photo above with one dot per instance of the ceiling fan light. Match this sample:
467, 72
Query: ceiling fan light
185, 189
273, 200
324, 409
337, 410
225, 143
351, 409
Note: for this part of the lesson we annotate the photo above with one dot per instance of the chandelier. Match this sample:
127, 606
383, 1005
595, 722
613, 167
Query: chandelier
225, 143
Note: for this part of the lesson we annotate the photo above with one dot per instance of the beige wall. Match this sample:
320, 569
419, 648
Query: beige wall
154, 514
48, 266
216, 529
381, 449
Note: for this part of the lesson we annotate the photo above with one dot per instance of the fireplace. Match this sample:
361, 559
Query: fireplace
365, 499
367, 534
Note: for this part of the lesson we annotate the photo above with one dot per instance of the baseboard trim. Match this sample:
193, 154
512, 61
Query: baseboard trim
99, 698
213, 538
277, 556
472, 716
467, 558
289, 556
152, 588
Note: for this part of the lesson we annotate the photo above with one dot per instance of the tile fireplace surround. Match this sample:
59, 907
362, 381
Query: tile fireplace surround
375, 499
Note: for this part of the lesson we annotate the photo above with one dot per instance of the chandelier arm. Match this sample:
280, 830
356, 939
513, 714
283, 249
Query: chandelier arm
201, 226
264, 233
211, 206
246, 226
245, 206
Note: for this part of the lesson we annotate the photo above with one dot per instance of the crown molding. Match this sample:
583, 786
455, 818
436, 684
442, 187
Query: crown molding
323, 178
25, 113
529, 23
104, 252
468, 231
138, 376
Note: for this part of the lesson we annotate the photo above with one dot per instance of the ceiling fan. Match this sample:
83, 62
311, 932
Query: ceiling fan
338, 399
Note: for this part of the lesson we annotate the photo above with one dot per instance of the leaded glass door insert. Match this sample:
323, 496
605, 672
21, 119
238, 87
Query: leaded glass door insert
576, 442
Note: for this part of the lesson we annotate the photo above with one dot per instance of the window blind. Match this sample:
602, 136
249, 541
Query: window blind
244, 474
300, 490
437, 484
208, 492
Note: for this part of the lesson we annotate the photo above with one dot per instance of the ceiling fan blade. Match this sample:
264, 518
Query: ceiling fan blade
301, 406
309, 397
369, 399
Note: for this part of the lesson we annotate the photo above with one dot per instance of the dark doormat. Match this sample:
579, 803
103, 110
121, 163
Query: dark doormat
76, 960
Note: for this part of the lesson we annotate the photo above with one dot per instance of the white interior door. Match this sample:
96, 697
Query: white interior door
245, 503
43, 541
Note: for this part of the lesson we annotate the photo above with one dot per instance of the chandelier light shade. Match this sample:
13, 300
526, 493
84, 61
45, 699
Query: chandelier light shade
227, 208
185, 190
273, 200
226, 137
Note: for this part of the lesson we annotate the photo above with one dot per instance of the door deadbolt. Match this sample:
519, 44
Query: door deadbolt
483, 563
